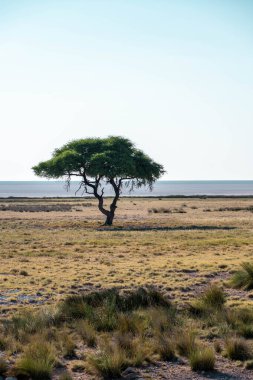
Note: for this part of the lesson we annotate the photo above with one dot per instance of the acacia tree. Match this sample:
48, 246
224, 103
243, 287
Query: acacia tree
98, 162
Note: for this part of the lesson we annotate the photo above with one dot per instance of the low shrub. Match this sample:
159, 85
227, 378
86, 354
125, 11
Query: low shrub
237, 349
202, 359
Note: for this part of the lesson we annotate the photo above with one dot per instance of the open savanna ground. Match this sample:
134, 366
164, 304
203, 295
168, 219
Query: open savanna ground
55, 249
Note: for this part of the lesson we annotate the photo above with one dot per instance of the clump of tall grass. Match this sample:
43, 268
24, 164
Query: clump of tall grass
237, 349
87, 333
164, 347
30, 322
240, 320
245, 330
210, 303
37, 361
186, 342
162, 319
202, 359
109, 361
68, 345
134, 323
213, 297
109, 302
243, 278
117, 353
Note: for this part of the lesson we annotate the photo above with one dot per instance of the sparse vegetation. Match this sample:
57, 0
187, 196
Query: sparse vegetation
111, 316
162, 210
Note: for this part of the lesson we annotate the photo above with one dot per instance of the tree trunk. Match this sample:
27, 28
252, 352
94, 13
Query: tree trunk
109, 219
108, 213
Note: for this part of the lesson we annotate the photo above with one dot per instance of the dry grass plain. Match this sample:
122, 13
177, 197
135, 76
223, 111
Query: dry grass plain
45, 255
53, 248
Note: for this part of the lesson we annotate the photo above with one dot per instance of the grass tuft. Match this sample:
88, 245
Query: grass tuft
186, 343
202, 359
243, 279
212, 299
237, 349
37, 361
109, 362
87, 333
165, 347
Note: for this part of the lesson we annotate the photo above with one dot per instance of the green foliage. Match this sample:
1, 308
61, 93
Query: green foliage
202, 359
107, 158
114, 161
37, 361
243, 279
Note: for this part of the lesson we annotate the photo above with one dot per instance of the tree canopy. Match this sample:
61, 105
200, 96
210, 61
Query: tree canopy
97, 161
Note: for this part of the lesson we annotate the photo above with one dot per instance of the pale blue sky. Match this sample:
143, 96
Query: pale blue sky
175, 76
